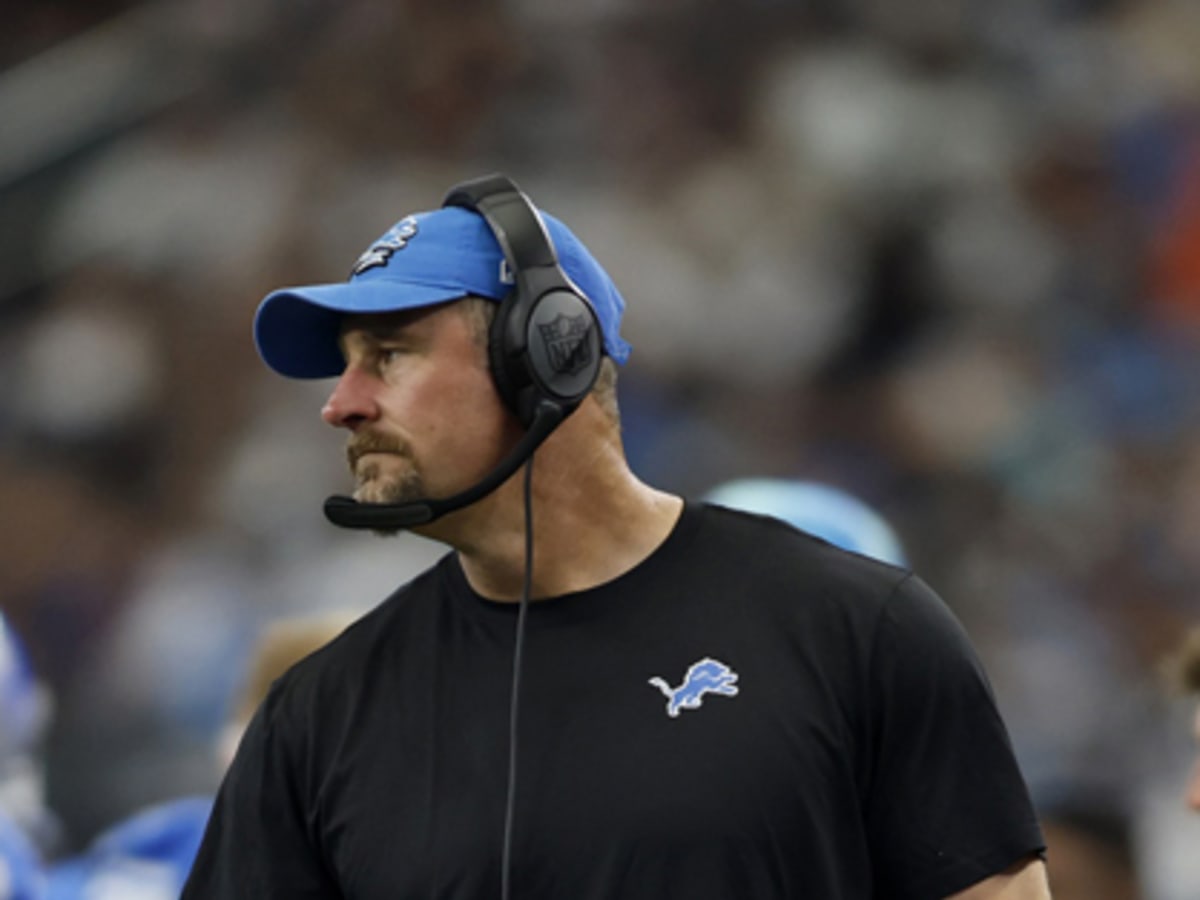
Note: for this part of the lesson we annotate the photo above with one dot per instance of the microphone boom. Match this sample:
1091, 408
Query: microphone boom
346, 512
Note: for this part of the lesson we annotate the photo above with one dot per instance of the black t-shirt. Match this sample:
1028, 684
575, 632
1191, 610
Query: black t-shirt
750, 713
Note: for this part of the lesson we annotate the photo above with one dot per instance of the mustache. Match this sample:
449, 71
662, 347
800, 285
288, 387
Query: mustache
365, 442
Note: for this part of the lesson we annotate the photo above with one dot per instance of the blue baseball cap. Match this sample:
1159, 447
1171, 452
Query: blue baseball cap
424, 259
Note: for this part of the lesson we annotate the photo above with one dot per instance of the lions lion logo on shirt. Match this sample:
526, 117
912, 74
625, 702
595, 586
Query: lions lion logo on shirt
708, 676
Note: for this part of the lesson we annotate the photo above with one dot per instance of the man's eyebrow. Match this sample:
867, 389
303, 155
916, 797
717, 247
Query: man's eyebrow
380, 327
382, 331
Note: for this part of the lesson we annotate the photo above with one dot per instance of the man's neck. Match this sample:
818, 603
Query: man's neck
593, 520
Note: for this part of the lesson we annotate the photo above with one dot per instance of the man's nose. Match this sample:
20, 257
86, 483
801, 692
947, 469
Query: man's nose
353, 400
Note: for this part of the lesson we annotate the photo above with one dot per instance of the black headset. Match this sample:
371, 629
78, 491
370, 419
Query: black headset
544, 348
544, 345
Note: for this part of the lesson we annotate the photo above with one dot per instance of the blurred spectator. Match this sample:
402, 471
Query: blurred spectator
1167, 827
1184, 672
25, 710
823, 510
149, 854
21, 872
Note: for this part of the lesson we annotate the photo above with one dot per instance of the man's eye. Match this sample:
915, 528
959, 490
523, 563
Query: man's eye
388, 355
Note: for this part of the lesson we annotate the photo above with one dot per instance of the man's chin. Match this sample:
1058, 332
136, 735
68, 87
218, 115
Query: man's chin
373, 492
372, 495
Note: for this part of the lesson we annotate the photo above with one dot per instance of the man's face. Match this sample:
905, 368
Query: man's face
418, 399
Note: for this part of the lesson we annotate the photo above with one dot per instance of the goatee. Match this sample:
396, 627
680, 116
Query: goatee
379, 482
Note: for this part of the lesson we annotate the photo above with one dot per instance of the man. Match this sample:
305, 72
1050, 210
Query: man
602, 692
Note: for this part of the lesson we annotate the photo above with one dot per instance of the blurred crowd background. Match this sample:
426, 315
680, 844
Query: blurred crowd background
943, 254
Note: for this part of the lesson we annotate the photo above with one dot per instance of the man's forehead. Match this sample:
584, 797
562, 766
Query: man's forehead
384, 324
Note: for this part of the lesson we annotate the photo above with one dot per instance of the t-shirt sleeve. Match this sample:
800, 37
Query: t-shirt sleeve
947, 805
258, 842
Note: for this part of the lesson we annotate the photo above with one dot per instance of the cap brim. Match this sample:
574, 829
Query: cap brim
296, 330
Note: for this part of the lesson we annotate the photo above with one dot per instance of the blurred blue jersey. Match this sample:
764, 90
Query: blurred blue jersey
21, 873
24, 701
144, 857
820, 509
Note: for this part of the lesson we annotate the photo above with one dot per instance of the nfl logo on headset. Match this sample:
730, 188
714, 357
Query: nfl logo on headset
566, 343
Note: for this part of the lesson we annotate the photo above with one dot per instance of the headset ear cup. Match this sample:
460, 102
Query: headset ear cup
499, 356
544, 351
562, 347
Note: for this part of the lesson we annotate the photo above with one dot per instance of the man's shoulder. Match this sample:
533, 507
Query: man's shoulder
759, 541
359, 648
785, 574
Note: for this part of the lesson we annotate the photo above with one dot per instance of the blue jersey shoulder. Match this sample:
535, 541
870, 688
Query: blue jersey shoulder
21, 874
145, 856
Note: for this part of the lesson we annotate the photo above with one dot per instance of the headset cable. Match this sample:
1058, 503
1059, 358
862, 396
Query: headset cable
514, 704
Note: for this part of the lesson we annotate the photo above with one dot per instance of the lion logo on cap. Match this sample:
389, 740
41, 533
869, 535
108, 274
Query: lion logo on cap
381, 251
